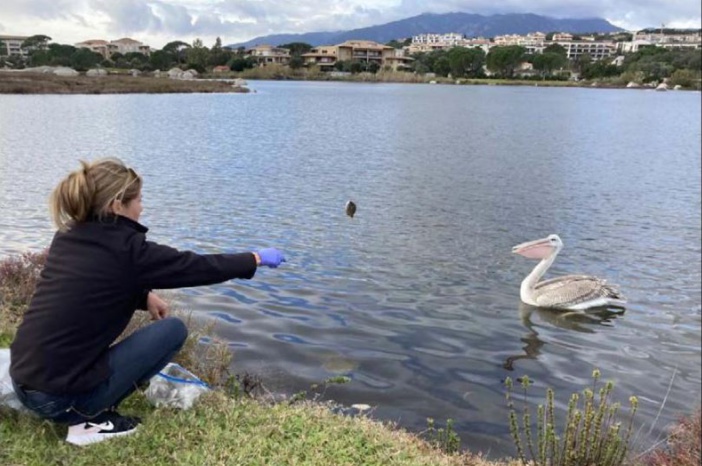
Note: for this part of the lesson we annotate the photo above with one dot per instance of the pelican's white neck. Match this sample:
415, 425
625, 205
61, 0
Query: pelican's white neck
528, 284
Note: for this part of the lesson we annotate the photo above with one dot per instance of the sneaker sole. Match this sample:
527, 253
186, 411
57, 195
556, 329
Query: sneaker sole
88, 439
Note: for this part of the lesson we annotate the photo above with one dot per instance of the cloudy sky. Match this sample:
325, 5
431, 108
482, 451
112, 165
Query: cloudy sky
157, 22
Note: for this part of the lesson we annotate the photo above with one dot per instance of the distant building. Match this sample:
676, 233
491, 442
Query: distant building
363, 51
123, 46
451, 38
269, 55
96, 45
12, 45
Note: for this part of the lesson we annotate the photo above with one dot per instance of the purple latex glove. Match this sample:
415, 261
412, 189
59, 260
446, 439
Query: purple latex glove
271, 257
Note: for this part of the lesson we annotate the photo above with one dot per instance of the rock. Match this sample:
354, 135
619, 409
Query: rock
175, 73
677, 87
134, 72
65, 71
662, 87
238, 82
96, 72
633, 84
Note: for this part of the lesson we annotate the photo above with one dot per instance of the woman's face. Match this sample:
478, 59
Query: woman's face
131, 209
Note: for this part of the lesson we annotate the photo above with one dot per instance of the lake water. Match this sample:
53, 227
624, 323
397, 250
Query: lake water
416, 299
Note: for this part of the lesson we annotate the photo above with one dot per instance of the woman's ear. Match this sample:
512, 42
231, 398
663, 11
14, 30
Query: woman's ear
116, 207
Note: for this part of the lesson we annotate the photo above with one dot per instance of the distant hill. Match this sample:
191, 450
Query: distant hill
471, 25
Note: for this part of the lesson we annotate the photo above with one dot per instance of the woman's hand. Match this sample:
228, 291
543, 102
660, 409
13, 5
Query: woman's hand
157, 307
270, 257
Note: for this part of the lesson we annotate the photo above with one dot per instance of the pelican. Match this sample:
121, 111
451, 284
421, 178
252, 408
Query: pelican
570, 292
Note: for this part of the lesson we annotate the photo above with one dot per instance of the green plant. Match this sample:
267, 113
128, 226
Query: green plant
592, 433
443, 438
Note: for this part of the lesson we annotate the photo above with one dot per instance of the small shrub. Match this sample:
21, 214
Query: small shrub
592, 433
682, 447
444, 438
18, 278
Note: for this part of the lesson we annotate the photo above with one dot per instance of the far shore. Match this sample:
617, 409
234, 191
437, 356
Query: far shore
18, 82
13, 82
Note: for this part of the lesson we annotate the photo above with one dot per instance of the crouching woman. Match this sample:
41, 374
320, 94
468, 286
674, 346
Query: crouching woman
100, 269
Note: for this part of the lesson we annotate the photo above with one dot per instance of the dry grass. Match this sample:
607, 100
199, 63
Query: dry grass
682, 447
39, 83
18, 278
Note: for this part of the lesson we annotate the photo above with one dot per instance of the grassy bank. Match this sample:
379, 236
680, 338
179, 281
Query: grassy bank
228, 426
313, 74
13, 82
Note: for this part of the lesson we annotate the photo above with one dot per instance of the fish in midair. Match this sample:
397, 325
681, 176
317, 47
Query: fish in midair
350, 208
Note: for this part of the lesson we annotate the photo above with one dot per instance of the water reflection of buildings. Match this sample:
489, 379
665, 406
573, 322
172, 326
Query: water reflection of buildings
584, 322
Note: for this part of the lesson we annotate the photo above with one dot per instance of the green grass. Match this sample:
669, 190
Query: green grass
219, 430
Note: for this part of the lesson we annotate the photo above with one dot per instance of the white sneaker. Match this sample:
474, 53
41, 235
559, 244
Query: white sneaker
104, 426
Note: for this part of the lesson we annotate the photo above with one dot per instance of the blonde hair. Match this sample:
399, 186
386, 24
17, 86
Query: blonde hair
91, 190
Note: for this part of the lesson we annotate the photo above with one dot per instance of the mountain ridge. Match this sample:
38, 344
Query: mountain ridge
469, 24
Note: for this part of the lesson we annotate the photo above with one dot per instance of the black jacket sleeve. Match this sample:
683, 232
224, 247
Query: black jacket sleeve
163, 267
142, 304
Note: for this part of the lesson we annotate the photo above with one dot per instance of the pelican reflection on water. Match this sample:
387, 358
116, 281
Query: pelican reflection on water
576, 321
570, 292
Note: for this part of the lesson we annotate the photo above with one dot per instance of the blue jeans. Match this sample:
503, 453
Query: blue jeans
133, 362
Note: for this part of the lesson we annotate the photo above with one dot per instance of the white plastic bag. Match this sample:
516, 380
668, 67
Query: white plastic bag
8, 397
175, 387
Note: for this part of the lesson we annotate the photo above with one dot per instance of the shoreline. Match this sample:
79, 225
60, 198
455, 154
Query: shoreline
19, 82
14, 82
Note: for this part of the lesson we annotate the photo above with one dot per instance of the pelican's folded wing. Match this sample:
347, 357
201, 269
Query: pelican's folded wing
571, 290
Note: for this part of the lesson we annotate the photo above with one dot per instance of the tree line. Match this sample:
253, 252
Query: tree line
648, 64
174, 54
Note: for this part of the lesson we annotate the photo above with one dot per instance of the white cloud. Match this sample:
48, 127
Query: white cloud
157, 22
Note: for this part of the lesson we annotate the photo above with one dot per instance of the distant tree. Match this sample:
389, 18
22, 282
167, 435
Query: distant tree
296, 62
425, 62
442, 66
600, 69
581, 62
504, 60
162, 60
465, 62
37, 42
218, 55
398, 44
373, 67
548, 62
356, 67
297, 48
84, 59
177, 49
197, 56
240, 64
558, 49
60, 54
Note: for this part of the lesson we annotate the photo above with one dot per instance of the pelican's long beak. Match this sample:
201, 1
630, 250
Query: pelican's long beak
537, 249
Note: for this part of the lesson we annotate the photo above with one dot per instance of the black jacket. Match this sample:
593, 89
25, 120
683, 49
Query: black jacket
96, 275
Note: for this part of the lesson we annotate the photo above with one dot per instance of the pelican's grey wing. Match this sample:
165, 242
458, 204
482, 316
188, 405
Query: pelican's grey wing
571, 290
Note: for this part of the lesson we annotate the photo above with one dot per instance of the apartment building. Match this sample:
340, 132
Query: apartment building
364, 51
123, 46
269, 55
12, 45
451, 38
96, 45
597, 50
